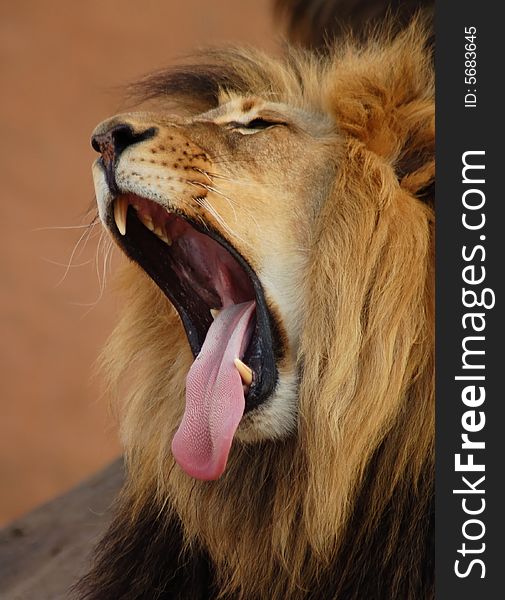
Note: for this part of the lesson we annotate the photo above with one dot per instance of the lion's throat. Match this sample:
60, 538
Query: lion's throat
214, 395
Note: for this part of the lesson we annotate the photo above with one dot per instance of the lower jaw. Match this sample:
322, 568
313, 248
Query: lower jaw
276, 417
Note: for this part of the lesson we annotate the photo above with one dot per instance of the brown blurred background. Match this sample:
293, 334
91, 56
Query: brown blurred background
61, 63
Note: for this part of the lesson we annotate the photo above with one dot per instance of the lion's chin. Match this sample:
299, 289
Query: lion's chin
277, 417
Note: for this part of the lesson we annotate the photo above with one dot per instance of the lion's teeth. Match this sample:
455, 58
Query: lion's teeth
167, 238
159, 232
214, 312
148, 222
120, 210
162, 234
245, 371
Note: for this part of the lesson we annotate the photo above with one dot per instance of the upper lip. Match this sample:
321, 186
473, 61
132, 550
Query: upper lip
157, 239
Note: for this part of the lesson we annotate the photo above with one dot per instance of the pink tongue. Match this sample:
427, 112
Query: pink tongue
214, 395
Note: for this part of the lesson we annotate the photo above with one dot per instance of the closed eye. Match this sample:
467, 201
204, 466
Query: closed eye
260, 123
254, 125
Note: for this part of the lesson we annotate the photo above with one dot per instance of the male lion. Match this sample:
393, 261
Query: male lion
275, 349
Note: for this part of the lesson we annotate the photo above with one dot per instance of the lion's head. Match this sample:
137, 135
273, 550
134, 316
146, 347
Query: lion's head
220, 209
282, 210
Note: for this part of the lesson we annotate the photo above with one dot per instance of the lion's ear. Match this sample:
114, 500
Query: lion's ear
385, 99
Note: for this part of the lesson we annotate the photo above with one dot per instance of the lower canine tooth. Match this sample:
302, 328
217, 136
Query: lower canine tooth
120, 209
214, 312
245, 371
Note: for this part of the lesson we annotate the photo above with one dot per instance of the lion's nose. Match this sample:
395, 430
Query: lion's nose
111, 143
111, 140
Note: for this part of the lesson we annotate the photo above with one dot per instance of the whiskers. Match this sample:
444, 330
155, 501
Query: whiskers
236, 209
101, 259
65, 265
76, 252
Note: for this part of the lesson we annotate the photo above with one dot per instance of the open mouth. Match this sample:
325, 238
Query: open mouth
221, 304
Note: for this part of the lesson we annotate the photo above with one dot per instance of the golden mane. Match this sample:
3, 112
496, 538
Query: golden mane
361, 459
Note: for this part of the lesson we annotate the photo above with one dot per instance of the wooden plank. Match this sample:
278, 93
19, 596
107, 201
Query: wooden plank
43, 553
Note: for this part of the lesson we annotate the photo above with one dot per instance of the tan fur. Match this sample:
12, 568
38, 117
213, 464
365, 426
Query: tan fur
364, 352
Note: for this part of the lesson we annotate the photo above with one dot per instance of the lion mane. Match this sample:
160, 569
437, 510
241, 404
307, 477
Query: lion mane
343, 508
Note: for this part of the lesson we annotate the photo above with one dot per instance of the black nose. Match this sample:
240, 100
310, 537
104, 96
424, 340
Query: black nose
113, 142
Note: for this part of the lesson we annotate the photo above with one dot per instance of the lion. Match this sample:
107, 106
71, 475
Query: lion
274, 353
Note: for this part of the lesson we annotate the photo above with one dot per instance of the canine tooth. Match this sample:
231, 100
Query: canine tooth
120, 209
245, 371
214, 312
